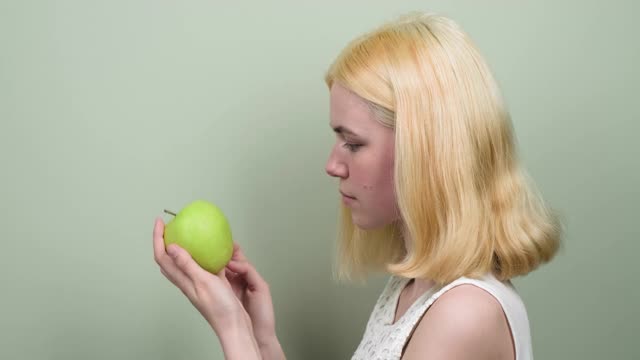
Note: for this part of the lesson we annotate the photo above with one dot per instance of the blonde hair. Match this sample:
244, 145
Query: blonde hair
466, 205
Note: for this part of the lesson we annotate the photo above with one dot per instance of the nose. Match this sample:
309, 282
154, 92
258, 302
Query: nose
335, 167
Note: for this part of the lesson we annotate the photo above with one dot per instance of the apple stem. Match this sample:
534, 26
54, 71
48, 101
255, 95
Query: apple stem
169, 212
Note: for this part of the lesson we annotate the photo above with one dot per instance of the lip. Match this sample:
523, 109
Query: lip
347, 195
347, 199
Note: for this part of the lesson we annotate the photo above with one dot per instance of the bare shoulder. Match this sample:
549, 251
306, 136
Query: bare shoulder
466, 322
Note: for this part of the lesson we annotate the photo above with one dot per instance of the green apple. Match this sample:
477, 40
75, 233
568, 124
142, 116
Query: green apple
202, 229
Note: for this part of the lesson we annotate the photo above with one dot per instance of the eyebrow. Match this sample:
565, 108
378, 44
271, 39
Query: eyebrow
344, 130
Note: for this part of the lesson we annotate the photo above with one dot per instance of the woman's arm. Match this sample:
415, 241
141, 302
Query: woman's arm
254, 293
237, 341
212, 295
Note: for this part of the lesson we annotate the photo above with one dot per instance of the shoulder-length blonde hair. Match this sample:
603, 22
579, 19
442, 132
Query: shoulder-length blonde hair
466, 205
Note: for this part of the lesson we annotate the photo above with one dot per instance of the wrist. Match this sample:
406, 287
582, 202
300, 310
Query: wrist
230, 321
267, 340
270, 348
237, 341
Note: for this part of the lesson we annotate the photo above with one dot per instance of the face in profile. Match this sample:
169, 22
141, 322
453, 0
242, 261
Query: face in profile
362, 159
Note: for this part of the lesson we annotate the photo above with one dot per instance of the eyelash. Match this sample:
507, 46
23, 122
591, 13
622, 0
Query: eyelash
352, 147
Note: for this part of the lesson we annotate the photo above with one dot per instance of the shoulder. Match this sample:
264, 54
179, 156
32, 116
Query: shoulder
466, 322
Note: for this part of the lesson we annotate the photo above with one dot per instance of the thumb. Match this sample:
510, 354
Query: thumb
222, 274
249, 273
184, 261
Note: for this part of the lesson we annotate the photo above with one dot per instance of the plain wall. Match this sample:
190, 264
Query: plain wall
112, 111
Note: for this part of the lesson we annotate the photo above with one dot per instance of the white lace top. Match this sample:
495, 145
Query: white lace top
385, 340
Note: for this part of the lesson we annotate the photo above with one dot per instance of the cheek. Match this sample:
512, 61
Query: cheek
379, 189
383, 193
378, 205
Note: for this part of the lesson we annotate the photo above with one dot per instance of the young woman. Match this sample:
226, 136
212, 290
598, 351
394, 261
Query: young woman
432, 193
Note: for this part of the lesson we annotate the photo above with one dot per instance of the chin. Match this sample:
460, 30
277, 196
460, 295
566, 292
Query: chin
367, 224
373, 223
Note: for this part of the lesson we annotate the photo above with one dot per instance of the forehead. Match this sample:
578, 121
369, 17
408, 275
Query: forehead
348, 109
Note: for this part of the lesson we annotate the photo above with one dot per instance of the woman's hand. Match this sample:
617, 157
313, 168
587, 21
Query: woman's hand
211, 294
253, 292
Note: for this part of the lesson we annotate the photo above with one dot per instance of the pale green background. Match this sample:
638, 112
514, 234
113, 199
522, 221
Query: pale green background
112, 111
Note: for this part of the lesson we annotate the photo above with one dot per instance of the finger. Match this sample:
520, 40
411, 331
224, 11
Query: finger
222, 274
158, 240
237, 253
177, 277
167, 267
230, 274
252, 277
184, 262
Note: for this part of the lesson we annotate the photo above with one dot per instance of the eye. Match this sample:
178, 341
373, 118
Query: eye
352, 147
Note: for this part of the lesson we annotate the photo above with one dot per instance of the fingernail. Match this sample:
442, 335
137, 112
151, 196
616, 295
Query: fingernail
172, 251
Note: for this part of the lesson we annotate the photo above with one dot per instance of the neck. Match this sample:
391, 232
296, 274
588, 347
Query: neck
404, 235
417, 286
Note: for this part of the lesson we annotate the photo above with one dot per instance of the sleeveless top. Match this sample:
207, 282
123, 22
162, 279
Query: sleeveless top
384, 340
